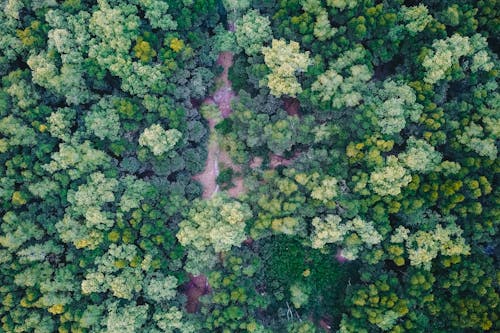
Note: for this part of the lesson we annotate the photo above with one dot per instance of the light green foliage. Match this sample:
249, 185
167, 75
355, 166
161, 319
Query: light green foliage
158, 140
447, 53
42, 188
21, 90
252, 31
200, 262
39, 251
448, 168
156, 13
353, 234
117, 271
311, 6
342, 85
91, 316
424, 246
125, 318
326, 191
285, 61
420, 156
113, 41
236, 6
281, 199
10, 44
416, 18
60, 123
389, 179
69, 38
328, 230
218, 223
363, 128
67, 81
174, 320
323, 29
135, 191
16, 132
110, 48
299, 295
474, 139
85, 219
342, 4
396, 105
77, 159
302, 327
103, 120
282, 135
17, 231
161, 288
224, 40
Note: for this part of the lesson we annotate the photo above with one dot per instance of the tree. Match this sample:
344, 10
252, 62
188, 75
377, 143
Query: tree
218, 223
60, 123
235, 7
416, 18
103, 120
389, 179
474, 139
323, 29
157, 14
420, 156
16, 132
426, 235
252, 32
284, 60
77, 159
379, 302
158, 140
447, 52
396, 105
125, 318
87, 204
119, 271
161, 288
352, 235
343, 83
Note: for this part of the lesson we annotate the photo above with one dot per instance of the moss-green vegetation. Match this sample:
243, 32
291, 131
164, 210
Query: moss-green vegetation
365, 132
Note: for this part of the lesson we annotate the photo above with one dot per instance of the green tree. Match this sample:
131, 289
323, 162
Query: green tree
252, 31
284, 60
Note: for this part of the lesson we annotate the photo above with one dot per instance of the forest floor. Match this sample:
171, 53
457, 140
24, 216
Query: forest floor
216, 156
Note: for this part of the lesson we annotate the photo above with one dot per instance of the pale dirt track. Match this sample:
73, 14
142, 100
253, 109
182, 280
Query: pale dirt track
216, 157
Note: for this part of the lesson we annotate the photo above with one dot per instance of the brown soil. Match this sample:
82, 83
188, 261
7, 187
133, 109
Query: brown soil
209, 175
194, 289
256, 162
325, 324
276, 160
292, 106
238, 187
225, 93
222, 98
340, 257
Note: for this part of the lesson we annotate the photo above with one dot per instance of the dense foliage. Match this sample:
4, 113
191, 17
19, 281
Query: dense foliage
365, 134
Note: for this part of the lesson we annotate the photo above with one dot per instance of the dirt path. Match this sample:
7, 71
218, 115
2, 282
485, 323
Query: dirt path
292, 106
196, 287
222, 98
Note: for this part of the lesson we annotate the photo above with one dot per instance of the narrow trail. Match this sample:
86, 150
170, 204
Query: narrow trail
198, 285
216, 156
